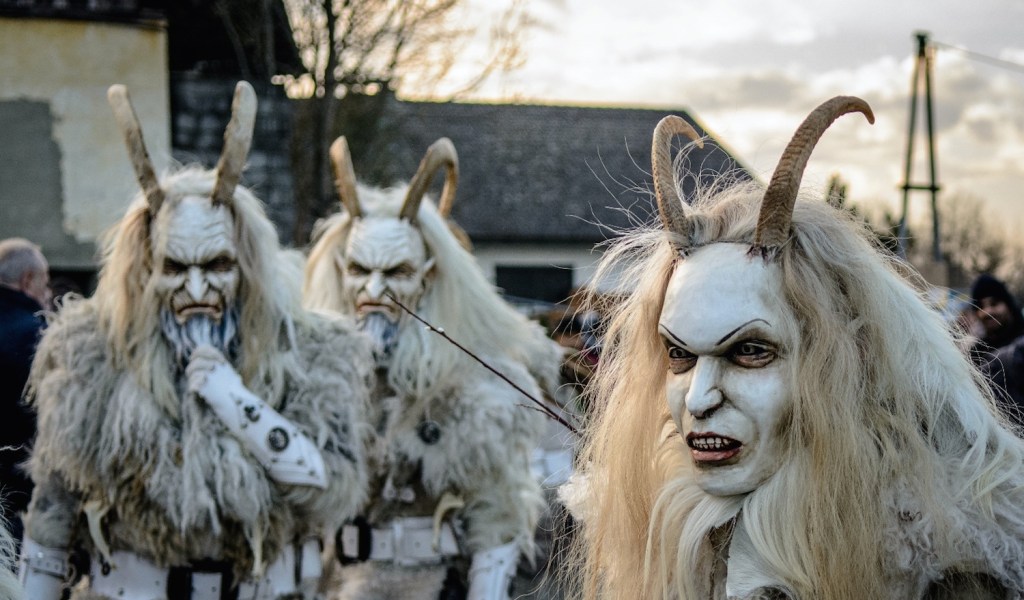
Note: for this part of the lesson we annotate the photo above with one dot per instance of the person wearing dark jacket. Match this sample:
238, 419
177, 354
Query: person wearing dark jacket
998, 314
1006, 375
24, 291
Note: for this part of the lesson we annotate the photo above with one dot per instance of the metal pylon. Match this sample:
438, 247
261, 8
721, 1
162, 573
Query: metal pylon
922, 77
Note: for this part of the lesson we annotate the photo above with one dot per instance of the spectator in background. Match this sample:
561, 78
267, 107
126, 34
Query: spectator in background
61, 286
24, 292
998, 325
997, 314
573, 332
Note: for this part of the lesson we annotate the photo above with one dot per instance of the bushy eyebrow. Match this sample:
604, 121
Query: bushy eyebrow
735, 331
668, 332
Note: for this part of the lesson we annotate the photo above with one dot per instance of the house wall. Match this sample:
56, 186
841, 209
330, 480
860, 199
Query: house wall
64, 174
201, 109
582, 258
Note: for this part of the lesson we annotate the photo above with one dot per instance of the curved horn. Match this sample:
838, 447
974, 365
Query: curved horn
117, 95
777, 206
345, 177
237, 139
670, 205
440, 153
451, 178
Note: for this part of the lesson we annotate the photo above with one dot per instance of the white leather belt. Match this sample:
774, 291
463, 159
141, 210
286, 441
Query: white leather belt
132, 577
409, 541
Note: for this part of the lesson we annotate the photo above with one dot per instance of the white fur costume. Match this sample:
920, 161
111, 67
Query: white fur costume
9, 587
446, 427
892, 476
133, 466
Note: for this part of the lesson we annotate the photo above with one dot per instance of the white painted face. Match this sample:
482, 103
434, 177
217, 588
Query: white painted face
726, 329
383, 256
199, 272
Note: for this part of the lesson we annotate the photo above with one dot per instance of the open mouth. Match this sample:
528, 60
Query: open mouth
711, 449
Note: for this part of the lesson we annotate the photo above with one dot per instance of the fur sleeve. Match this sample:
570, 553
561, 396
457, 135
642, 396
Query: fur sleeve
70, 374
329, 403
498, 432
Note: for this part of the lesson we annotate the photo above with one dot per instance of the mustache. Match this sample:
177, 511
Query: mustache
200, 329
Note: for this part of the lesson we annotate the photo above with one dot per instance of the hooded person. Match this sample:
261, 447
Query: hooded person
198, 429
780, 415
453, 502
997, 313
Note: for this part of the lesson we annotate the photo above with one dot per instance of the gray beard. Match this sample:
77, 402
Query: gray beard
185, 337
383, 333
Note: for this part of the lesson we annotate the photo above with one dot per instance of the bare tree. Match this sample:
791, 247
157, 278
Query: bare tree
971, 240
357, 49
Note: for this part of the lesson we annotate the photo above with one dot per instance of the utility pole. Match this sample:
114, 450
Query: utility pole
922, 77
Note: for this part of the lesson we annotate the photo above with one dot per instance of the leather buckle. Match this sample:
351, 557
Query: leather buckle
364, 542
179, 579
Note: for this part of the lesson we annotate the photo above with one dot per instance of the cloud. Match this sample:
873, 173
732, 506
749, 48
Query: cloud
751, 71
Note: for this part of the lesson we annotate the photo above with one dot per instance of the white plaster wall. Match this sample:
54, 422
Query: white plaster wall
70, 64
581, 257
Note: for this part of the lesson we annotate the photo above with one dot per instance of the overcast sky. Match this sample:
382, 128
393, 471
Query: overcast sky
750, 71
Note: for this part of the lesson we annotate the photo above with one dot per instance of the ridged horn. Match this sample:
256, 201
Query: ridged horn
345, 177
670, 205
776, 214
124, 113
440, 153
237, 140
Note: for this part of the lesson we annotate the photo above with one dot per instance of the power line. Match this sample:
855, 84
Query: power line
991, 60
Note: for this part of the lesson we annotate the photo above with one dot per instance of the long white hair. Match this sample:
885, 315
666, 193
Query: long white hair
898, 463
10, 589
458, 298
128, 307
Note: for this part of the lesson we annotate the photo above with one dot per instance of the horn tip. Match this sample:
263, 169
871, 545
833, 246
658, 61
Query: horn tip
118, 90
859, 105
244, 88
245, 98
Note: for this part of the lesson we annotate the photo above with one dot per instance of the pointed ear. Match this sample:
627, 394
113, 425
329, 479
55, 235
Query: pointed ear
428, 269
340, 261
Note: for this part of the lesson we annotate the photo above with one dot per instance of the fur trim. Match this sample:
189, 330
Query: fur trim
483, 453
180, 489
10, 589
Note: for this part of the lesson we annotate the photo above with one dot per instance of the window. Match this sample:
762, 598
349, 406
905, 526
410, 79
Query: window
549, 283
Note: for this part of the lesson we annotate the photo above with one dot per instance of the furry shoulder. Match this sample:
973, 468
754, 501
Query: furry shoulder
330, 342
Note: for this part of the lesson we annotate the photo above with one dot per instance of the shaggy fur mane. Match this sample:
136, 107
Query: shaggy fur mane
126, 299
10, 589
899, 466
458, 299
120, 438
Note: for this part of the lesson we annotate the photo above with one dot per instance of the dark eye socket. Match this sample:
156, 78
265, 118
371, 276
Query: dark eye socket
357, 269
220, 264
679, 360
753, 354
402, 270
173, 267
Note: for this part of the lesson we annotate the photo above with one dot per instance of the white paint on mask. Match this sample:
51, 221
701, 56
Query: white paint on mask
383, 256
196, 261
727, 330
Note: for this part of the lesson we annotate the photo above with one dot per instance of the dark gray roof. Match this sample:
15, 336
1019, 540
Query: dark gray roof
534, 172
